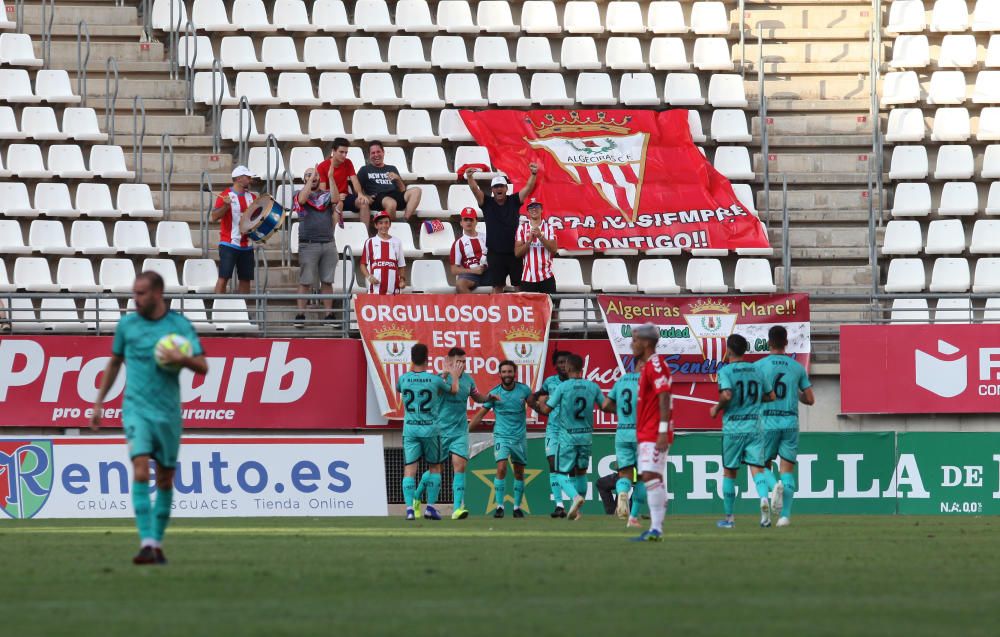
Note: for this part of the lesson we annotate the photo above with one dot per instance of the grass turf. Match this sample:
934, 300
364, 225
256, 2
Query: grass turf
537, 576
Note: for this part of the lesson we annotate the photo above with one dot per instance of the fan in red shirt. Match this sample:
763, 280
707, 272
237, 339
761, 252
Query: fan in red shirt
654, 431
338, 168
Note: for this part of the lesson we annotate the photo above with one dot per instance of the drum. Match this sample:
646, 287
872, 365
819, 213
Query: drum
265, 216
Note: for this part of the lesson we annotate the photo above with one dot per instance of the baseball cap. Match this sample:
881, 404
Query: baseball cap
241, 171
534, 202
469, 213
381, 214
499, 180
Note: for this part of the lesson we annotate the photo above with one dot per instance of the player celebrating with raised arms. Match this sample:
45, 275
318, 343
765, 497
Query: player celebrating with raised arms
575, 398
510, 434
421, 392
621, 401
157, 343
654, 429
552, 430
454, 423
742, 392
781, 419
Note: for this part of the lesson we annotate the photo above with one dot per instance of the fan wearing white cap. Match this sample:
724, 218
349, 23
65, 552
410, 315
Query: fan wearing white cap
502, 214
235, 248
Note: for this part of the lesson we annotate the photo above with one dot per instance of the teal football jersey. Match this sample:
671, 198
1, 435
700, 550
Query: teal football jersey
421, 392
748, 385
788, 377
511, 415
549, 385
575, 398
453, 415
625, 393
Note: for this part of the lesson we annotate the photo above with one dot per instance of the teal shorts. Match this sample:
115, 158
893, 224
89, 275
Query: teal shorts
515, 451
626, 454
455, 443
551, 442
740, 449
570, 457
783, 443
427, 448
160, 442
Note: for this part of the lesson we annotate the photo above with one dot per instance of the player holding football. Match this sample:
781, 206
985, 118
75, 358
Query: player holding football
781, 419
510, 434
421, 392
552, 430
654, 430
151, 411
621, 401
454, 422
575, 398
742, 392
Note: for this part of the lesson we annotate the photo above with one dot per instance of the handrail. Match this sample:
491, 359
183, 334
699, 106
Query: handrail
243, 132
82, 60
172, 43
876, 106
147, 20
203, 219
269, 177
786, 248
762, 116
166, 174
48, 11
743, 40
286, 235
872, 231
190, 60
110, 98
19, 15
216, 105
138, 138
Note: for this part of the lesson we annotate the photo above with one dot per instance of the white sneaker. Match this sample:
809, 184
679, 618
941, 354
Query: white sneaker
777, 498
623, 506
765, 513
574, 509
783, 521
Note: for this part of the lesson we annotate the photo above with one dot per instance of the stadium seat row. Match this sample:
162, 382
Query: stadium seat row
92, 200
956, 198
40, 123
910, 16
946, 87
945, 311
949, 274
957, 51
453, 16
953, 162
65, 161
944, 236
278, 53
421, 90
949, 125
51, 86
76, 274
48, 237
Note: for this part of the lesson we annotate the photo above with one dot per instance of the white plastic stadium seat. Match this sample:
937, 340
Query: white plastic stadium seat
568, 276
283, 123
166, 269
539, 16
549, 89
733, 162
331, 16
407, 52
251, 16
666, 16
66, 160
353, 234
595, 89
132, 237
705, 276
987, 90
136, 200
986, 16
455, 16
25, 161
683, 89
297, 89
906, 16
949, 15
625, 17
959, 198
338, 89
162, 12
11, 239
535, 53
60, 315
910, 52
429, 276
52, 86
950, 274
230, 315
945, 236
8, 125
237, 52
954, 162
957, 52
993, 199
449, 52
402, 231
624, 54
431, 165
370, 124
372, 16
414, 16
495, 17
74, 274
712, 54
638, 89
582, 17
204, 81
193, 310
492, 53
321, 52
16, 87
195, 52
902, 237
953, 311
14, 200
174, 238
668, 54
265, 162
255, 86
81, 124
291, 15
575, 314
946, 87
199, 275
430, 203
303, 158
985, 237
710, 18
109, 162
364, 53
754, 276
94, 200
116, 275
32, 274
730, 125
48, 237
726, 91
909, 311
951, 125
908, 162
905, 275
326, 125
611, 275
901, 87
379, 89
905, 125
210, 15
89, 237
991, 162
278, 53
656, 276
462, 89
54, 200
912, 200
987, 278
505, 90
16, 50
414, 125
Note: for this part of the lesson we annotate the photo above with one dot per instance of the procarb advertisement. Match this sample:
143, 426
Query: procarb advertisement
235, 476
847, 473
252, 383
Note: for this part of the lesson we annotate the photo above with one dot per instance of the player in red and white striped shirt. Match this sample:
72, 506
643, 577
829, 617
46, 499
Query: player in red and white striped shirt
535, 241
382, 263
235, 249
468, 254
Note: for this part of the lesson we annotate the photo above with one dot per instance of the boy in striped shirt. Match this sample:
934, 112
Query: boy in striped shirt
468, 254
382, 264
535, 242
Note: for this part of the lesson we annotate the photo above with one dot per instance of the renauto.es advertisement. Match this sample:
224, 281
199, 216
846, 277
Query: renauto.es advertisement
251, 383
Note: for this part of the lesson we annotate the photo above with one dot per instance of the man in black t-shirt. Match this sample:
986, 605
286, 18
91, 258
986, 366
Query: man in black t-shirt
502, 214
381, 182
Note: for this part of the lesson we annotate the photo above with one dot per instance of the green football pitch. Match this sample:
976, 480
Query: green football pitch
536, 576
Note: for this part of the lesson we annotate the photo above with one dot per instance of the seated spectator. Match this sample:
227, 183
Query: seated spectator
317, 249
468, 254
535, 242
382, 263
339, 171
382, 183
235, 247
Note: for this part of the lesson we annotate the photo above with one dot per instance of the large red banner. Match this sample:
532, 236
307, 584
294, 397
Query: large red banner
919, 369
619, 178
691, 400
489, 327
252, 383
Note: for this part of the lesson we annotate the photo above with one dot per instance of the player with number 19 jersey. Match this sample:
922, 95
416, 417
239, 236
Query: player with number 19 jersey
742, 441
421, 394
